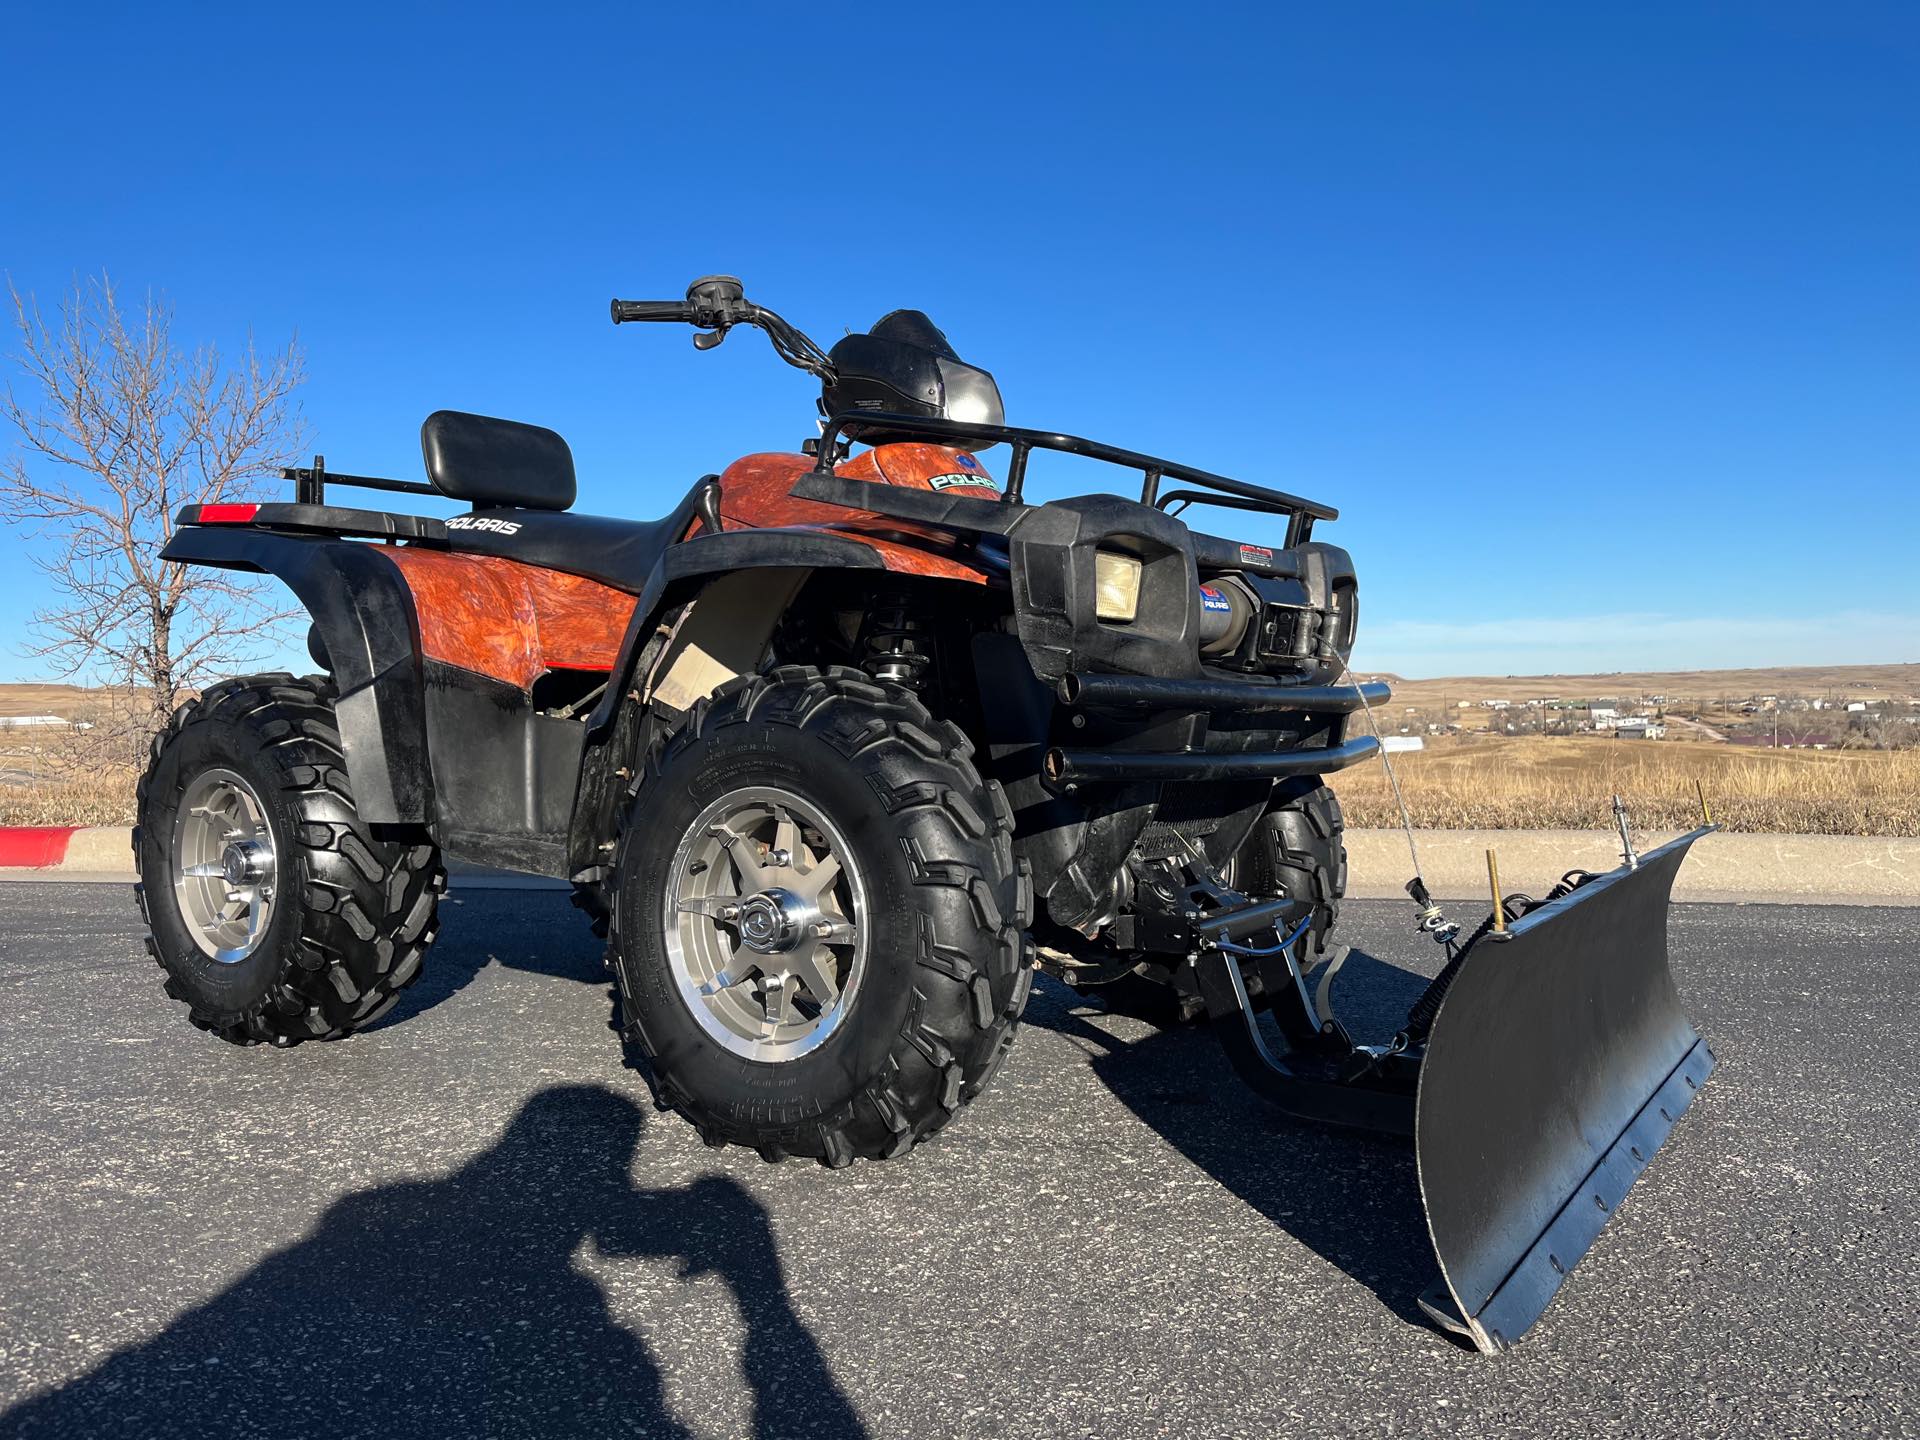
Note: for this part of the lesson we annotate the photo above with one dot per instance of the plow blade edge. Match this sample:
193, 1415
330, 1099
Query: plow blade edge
1557, 1065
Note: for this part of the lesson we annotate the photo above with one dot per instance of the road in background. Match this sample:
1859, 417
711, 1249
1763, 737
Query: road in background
469, 1220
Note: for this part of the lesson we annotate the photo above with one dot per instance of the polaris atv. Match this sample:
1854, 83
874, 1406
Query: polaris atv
835, 753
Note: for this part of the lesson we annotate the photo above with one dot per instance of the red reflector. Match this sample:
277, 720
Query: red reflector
227, 514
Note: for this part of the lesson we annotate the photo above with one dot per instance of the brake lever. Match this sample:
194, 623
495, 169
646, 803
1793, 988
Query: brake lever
706, 340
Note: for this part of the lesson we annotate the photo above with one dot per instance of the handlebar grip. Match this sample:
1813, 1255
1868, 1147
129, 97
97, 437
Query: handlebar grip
671, 310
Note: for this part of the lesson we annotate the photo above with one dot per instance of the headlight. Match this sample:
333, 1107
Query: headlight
1116, 585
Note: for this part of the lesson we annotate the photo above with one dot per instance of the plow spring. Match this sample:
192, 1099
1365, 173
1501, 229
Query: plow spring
1557, 1063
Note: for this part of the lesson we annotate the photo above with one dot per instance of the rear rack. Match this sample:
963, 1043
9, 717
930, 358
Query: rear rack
310, 484
1228, 492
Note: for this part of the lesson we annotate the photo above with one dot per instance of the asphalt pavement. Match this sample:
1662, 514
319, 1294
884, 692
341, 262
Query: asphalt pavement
470, 1221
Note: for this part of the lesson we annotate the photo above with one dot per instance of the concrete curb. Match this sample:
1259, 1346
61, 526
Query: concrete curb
103, 855
1776, 869
1761, 869
66, 847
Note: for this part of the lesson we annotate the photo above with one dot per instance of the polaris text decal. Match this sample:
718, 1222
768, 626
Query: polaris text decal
484, 522
977, 482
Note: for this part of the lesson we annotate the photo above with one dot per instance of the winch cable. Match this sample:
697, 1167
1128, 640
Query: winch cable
1393, 780
1421, 1017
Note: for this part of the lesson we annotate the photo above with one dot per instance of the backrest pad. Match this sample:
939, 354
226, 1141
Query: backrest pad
485, 461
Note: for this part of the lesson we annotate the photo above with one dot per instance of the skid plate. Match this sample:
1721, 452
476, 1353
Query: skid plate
1558, 1064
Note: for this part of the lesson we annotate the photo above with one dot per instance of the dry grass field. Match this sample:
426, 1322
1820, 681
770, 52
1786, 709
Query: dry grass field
1542, 782
55, 777
1837, 680
1478, 781
90, 797
68, 700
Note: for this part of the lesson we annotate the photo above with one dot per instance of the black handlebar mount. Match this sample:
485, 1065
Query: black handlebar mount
716, 303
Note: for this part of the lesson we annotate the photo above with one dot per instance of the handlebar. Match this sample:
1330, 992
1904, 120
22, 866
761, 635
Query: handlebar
676, 311
714, 304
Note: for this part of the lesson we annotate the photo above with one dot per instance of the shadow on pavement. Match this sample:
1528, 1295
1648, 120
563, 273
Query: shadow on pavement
1350, 1197
535, 931
454, 1307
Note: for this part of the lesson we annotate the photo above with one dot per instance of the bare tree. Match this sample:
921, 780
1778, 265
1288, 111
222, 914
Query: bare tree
117, 429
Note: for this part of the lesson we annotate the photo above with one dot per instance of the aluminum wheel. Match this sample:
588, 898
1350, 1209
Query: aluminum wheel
223, 865
765, 923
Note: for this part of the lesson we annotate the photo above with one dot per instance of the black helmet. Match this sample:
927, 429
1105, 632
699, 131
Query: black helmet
905, 366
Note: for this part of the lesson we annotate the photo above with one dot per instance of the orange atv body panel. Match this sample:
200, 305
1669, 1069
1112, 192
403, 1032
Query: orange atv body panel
756, 492
515, 622
511, 621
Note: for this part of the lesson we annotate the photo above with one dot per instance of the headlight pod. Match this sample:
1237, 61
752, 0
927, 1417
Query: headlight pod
1116, 586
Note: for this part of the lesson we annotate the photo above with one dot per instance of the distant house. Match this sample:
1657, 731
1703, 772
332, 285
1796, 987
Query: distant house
1602, 717
1640, 727
1853, 706
34, 722
1395, 744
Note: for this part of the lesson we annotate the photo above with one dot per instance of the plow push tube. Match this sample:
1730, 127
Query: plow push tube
1558, 1064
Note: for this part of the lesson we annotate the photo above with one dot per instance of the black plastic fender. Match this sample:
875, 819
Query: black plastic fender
678, 575
364, 614
682, 566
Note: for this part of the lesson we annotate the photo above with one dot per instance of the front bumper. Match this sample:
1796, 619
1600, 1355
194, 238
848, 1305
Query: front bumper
1068, 769
1140, 702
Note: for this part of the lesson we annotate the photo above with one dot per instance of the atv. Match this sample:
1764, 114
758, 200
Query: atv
840, 750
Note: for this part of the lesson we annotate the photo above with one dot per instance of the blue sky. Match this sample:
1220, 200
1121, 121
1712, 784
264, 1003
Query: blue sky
1601, 324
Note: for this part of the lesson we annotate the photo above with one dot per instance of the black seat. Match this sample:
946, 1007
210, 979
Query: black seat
621, 553
485, 461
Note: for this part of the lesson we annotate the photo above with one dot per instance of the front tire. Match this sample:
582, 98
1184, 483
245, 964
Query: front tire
278, 914
818, 925
1298, 849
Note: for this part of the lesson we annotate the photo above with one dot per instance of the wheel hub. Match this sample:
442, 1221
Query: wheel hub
246, 861
774, 921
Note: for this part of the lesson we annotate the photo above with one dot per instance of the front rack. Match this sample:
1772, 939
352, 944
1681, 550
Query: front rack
310, 482
1228, 492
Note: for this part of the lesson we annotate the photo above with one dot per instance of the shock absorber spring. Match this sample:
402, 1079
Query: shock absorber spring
893, 644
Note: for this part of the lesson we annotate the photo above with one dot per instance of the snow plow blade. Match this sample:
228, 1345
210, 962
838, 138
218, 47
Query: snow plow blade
1558, 1064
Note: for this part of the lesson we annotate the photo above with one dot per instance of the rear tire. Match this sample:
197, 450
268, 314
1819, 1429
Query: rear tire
345, 913
924, 1003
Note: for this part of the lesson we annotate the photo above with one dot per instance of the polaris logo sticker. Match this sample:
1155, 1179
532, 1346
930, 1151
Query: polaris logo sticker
484, 522
1212, 599
966, 462
977, 482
